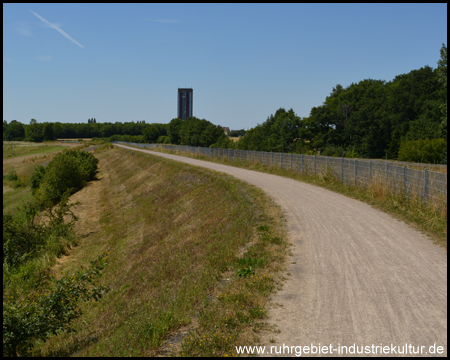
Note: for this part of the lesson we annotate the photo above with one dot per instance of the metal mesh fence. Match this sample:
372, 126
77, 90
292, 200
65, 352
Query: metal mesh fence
427, 185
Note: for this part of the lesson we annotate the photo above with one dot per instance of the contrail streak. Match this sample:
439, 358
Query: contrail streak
53, 26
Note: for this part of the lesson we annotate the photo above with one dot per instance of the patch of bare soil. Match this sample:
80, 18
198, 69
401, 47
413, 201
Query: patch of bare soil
88, 213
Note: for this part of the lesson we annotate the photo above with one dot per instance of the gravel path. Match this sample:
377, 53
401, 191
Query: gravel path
360, 276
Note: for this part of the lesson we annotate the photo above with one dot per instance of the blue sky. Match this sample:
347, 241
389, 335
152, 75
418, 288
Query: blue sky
125, 62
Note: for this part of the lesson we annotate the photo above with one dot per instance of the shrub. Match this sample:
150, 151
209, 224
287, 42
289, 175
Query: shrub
87, 161
11, 175
39, 314
36, 178
352, 153
333, 151
62, 173
69, 170
162, 139
20, 238
430, 151
223, 142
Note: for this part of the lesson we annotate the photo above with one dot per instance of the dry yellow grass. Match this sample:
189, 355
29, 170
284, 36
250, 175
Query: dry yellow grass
178, 235
235, 139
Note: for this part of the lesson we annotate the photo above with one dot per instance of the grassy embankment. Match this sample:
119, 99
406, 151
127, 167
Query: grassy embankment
430, 220
33, 149
180, 237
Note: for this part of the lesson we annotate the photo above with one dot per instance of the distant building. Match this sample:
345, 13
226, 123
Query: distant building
185, 103
226, 130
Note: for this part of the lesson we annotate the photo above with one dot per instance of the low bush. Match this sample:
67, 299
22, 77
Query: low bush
333, 151
68, 171
39, 314
11, 175
431, 151
36, 178
20, 240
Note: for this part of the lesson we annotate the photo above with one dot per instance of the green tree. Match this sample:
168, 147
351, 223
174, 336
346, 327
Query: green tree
151, 133
442, 78
173, 130
48, 132
408, 96
15, 131
35, 131
278, 133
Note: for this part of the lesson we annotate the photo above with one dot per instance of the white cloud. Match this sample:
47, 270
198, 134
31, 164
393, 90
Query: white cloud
23, 28
170, 21
44, 58
56, 27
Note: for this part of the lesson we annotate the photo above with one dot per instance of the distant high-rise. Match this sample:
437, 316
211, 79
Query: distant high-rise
185, 103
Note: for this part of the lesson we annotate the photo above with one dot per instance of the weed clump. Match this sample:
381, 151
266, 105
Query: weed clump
11, 175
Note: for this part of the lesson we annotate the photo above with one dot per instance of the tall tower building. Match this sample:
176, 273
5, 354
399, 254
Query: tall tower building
185, 103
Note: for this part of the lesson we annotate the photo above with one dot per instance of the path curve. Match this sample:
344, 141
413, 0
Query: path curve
360, 276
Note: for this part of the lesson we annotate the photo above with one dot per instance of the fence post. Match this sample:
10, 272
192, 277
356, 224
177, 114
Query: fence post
315, 156
291, 160
370, 170
405, 188
342, 170
356, 170
302, 162
281, 160
425, 185
387, 175
272, 157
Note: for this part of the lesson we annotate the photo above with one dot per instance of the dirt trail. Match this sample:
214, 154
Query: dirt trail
358, 276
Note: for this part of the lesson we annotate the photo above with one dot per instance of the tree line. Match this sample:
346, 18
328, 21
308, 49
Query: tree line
371, 119
47, 131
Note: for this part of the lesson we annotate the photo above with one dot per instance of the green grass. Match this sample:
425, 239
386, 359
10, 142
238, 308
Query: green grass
13, 151
431, 220
14, 197
178, 235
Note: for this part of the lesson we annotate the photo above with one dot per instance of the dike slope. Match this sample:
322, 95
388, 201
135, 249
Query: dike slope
358, 276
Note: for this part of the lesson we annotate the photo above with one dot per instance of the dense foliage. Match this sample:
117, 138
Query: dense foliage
426, 151
39, 132
193, 132
35, 304
68, 171
52, 308
278, 133
373, 116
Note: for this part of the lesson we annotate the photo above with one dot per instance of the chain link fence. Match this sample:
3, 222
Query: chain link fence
430, 186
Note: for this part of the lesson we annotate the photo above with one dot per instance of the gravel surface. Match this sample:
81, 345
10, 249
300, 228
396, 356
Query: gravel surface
358, 276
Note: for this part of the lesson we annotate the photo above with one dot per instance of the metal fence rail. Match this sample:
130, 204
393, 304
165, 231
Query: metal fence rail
430, 186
